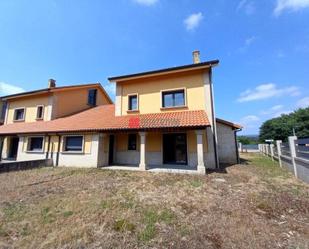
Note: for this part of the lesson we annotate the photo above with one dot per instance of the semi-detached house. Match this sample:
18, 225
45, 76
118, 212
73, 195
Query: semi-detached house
163, 118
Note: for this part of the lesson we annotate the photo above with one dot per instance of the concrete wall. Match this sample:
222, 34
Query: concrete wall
226, 144
302, 166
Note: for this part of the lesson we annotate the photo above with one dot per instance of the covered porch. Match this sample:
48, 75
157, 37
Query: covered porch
166, 150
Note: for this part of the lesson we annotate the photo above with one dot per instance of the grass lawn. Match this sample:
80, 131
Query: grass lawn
253, 205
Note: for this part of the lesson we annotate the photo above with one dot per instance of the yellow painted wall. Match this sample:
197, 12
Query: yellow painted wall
149, 91
30, 103
72, 101
154, 142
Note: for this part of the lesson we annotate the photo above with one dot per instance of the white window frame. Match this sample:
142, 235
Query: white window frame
64, 140
14, 114
184, 89
29, 144
43, 110
137, 99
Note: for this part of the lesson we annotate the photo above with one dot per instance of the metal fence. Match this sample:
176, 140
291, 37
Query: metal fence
293, 155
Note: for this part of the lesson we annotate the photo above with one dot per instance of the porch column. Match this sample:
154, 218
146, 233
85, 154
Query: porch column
142, 162
200, 152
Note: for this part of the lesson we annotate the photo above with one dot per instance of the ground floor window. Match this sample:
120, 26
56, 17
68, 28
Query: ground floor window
35, 144
73, 143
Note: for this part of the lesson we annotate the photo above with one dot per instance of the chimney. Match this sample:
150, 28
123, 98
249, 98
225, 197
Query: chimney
51, 83
196, 57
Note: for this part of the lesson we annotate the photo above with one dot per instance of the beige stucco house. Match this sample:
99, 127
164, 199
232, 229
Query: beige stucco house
163, 118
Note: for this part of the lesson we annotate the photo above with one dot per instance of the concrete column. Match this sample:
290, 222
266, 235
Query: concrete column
142, 162
278, 143
200, 152
293, 152
272, 152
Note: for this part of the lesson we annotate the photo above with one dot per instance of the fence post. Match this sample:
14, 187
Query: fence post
240, 146
267, 150
293, 152
272, 152
279, 142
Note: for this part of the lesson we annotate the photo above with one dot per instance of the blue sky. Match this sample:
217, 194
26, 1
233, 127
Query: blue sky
262, 45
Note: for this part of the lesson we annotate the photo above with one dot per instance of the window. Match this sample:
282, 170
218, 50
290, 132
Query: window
35, 144
173, 98
92, 97
73, 143
3, 110
133, 103
19, 114
132, 142
40, 112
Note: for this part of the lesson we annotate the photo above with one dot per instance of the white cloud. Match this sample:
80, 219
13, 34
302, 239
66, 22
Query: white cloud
272, 110
146, 2
266, 91
247, 6
303, 103
193, 21
8, 89
281, 112
291, 5
250, 40
249, 122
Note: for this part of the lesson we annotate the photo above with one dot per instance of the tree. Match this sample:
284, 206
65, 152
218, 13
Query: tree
282, 127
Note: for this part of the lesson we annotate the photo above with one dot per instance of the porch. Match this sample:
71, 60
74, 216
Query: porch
181, 151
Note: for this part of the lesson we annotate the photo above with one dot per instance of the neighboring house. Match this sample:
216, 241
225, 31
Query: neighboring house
162, 118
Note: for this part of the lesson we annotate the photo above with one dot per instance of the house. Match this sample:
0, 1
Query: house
162, 118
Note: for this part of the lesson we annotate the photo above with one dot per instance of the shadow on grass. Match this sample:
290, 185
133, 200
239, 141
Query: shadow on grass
224, 166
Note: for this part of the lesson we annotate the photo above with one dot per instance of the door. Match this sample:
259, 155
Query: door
14, 147
175, 148
111, 149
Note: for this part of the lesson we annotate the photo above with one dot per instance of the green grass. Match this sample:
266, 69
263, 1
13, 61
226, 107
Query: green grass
150, 218
67, 213
123, 225
47, 215
14, 211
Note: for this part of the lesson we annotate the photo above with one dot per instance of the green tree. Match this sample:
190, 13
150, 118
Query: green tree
282, 127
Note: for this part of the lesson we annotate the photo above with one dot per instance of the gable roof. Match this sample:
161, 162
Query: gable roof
102, 118
56, 89
189, 67
228, 123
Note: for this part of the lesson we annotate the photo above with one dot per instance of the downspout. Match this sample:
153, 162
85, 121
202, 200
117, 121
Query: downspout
236, 145
1, 147
214, 125
58, 150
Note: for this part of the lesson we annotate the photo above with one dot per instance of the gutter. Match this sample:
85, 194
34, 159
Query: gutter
236, 145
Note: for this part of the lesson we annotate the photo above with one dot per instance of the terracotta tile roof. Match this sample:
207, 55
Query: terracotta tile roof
102, 118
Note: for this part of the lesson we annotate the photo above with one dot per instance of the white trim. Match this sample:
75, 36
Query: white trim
71, 151
137, 98
29, 143
43, 110
24, 116
173, 90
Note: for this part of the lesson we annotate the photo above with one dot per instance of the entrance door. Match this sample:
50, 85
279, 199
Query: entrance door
13, 147
111, 149
175, 148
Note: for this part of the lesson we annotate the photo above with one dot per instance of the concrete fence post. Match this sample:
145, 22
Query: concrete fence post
293, 152
272, 152
279, 142
240, 146
267, 150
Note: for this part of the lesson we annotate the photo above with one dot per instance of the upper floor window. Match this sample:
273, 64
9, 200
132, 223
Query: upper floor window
173, 98
3, 110
19, 114
133, 103
132, 142
92, 97
73, 143
40, 112
35, 144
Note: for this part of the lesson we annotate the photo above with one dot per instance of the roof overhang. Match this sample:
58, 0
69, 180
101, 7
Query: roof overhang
185, 68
